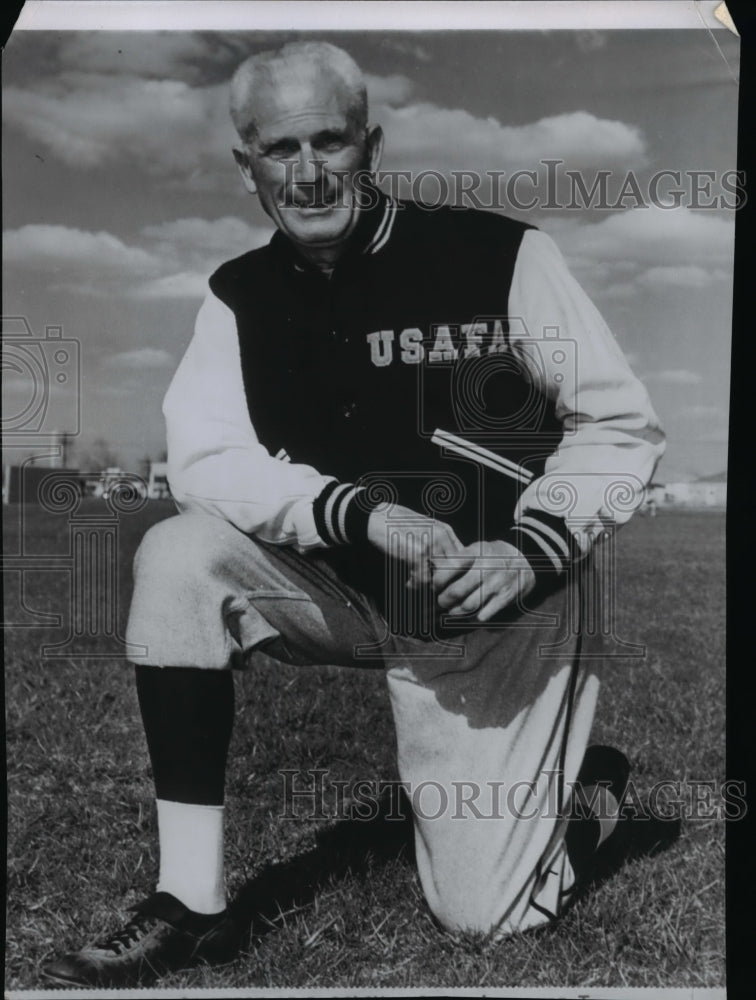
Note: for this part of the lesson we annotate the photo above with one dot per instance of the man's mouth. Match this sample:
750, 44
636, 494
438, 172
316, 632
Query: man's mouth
315, 207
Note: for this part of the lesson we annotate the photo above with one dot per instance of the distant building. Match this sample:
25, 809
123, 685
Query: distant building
157, 482
26, 483
37, 484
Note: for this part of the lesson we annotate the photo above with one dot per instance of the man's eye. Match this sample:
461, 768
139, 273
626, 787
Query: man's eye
281, 152
332, 146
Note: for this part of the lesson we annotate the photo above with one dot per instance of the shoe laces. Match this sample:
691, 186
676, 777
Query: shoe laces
129, 935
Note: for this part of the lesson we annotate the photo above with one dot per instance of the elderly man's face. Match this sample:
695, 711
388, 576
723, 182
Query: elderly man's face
303, 158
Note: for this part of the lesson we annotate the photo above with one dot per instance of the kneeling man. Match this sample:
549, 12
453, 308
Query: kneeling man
397, 438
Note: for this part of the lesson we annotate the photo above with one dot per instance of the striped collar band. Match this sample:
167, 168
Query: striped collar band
381, 235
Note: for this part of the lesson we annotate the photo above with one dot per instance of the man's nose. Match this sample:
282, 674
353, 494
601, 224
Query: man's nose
308, 167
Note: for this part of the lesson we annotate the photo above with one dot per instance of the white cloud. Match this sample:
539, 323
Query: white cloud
197, 246
173, 262
92, 120
144, 53
393, 89
645, 249
183, 285
590, 40
674, 376
653, 236
55, 248
140, 359
425, 136
406, 48
208, 239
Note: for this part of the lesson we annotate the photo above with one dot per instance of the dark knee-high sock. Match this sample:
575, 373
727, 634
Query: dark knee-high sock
188, 716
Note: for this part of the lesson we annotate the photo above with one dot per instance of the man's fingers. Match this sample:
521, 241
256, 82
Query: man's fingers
449, 567
459, 589
445, 541
496, 604
469, 605
420, 572
479, 592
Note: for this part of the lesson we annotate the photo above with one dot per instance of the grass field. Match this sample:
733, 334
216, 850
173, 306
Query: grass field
338, 903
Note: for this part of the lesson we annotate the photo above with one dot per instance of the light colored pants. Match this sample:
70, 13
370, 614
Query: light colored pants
490, 733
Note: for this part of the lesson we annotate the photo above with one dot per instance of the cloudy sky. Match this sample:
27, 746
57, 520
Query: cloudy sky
121, 196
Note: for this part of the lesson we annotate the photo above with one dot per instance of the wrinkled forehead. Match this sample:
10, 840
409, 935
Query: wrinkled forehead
293, 92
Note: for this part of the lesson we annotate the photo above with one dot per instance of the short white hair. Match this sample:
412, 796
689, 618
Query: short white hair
265, 66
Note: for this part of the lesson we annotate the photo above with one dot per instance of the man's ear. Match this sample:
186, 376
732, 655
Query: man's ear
242, 162
375, 147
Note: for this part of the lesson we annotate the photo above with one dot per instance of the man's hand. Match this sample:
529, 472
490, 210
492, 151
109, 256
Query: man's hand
490, 577
412, 538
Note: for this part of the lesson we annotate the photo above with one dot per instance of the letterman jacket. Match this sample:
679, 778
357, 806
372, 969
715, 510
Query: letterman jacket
450, 363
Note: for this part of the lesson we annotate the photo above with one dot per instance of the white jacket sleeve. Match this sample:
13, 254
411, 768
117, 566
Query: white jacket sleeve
215, 462
612, 438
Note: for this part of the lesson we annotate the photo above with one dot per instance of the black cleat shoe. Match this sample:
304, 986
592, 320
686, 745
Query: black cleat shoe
162, 937
608, 768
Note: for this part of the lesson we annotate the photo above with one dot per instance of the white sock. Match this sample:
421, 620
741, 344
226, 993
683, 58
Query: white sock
191, 854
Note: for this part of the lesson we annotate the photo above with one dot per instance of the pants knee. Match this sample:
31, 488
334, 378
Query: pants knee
462, 914
470, 892
181, 548
184, 591
486, 914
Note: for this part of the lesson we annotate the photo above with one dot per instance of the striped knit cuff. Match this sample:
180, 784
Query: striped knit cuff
545, 541
341, 513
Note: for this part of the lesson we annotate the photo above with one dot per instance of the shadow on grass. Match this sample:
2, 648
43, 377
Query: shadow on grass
350, 847
639, 837
353, 847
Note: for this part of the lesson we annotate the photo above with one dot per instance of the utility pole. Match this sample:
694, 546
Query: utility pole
65, 444
62, 442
